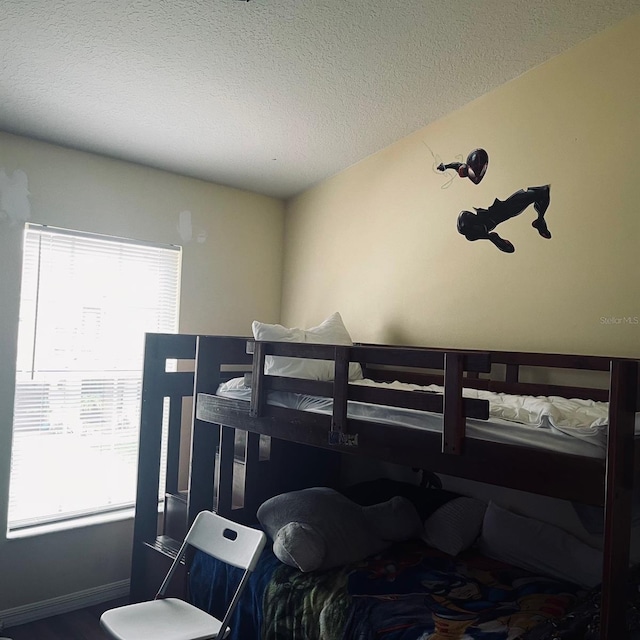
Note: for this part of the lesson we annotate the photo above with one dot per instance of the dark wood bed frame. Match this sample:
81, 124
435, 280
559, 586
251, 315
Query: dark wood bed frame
245, 452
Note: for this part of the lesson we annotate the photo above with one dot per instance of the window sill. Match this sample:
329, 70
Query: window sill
73, 523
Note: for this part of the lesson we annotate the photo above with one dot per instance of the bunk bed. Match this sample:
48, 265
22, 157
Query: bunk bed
243, 451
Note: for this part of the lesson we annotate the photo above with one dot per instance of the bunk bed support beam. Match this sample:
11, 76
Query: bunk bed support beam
618, 497
568, 477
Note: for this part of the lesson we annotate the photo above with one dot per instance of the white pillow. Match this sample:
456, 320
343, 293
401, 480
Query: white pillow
455, 526
331, 331
539, 547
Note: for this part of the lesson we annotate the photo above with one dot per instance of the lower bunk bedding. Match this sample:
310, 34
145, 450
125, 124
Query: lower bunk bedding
409, 562
408, 592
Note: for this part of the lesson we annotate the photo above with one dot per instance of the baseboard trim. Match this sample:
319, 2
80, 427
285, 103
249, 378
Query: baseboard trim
63, 604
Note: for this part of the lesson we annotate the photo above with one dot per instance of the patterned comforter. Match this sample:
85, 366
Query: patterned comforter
409, 592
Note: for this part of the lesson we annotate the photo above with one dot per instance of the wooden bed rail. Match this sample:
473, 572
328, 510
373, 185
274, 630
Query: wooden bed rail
420, 357
451, 404
506, 375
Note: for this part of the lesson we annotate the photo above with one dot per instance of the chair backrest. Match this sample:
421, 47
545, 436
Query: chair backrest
225, 540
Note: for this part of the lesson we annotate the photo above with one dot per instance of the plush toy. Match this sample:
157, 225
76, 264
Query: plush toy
319, 528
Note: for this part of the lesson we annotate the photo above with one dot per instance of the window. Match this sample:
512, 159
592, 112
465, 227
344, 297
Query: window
86, 303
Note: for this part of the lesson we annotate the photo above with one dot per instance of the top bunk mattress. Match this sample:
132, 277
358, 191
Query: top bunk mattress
570, 426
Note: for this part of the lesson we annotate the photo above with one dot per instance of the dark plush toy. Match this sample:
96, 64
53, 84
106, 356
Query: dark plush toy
319, 528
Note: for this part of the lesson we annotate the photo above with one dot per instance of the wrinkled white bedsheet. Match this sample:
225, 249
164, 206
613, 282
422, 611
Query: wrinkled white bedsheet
551, 422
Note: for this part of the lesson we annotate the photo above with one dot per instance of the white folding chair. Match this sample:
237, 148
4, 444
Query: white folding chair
175, 619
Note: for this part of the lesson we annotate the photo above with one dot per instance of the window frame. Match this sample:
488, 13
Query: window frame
16, 527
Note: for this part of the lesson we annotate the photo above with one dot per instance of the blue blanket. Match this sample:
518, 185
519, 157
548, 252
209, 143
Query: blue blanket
409, 592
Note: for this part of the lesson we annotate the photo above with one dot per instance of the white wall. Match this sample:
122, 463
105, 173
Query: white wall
229, 279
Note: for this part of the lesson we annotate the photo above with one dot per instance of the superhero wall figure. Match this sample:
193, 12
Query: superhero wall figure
481, 224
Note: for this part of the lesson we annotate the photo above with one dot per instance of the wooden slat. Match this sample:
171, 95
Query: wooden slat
553, 360
524, 358
173, 444
252, 468
453, 429
340, 390
512, 373
258, 391
224, 471
428, 359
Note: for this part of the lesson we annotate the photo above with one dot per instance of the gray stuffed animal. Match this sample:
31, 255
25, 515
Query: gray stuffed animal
319, 528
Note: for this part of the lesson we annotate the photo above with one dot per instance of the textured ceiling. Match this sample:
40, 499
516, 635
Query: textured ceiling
268, 95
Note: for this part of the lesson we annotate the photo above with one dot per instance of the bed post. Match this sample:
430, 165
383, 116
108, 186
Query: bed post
257, 379
149, 550
205, 438
453, 431
224, 472
618, 497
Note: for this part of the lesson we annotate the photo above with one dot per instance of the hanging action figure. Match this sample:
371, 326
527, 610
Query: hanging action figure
481, 225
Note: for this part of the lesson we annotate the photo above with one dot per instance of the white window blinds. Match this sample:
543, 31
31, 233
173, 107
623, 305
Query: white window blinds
86, 303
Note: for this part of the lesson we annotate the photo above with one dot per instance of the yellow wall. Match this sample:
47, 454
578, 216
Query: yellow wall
378, 242
231, 278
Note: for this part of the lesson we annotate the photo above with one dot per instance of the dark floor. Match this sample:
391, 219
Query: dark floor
77, 625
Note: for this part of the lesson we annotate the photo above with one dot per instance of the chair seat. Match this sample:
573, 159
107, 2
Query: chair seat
168, 619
